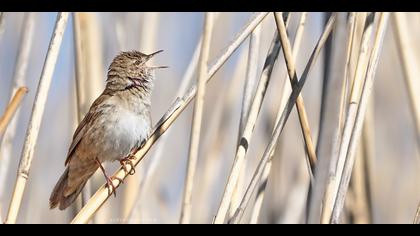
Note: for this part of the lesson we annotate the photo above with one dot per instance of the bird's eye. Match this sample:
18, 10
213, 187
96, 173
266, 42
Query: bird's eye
137, 62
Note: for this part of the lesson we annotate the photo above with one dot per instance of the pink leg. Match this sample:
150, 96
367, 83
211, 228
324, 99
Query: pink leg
111, 187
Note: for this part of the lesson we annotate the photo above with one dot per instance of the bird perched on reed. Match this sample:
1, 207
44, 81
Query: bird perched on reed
117, 124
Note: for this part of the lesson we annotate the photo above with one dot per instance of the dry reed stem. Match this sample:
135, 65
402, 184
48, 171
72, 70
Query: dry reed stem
338, 160
250, 81
357, 129
405, 53
99, 198
261, 193
332, 111
359, 209
339, 78
358, 203
368, 144
197, 120
219, 136
21, 66
248, 131
93, 56
90, 85
19, 74
417, 216
251, 76
360, 24
351, 28
8, 115
36, 117
283, 119
356, 24
336, 113
157, 156
81, 70
290, 64
360, 186
11, 108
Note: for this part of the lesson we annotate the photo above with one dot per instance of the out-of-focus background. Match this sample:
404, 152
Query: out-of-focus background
154, 194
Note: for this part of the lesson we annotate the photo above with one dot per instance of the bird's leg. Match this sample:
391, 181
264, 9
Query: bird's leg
128, 160
110, 184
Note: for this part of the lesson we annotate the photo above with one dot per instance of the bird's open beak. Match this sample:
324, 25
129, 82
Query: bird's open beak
155, 67
152, 54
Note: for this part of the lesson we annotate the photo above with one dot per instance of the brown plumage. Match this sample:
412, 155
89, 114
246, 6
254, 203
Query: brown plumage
116, 124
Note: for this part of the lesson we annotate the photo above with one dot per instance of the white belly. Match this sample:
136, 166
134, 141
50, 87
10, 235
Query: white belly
127, 131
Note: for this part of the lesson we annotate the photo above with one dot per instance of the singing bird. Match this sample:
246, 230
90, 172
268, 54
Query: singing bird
117, 124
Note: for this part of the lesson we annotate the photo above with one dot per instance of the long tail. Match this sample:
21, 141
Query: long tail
58, 197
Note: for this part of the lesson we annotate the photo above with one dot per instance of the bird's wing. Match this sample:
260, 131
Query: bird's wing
84, 126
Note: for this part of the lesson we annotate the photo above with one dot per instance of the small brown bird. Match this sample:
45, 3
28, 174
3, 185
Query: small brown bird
117, 124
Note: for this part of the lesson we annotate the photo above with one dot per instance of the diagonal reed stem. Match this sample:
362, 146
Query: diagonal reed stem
417, 216
262, 185
290, 64
12, 108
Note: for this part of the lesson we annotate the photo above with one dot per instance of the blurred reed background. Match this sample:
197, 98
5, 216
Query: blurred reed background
357, 163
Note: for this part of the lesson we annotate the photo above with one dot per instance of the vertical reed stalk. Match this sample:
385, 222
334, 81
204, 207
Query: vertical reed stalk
361, 111
19, 75
219, 137
81, 69
335, 110
36, 117
197, 120
250, 81
337, 161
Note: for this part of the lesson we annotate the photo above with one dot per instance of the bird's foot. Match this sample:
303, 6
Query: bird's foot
128, 161
110, 184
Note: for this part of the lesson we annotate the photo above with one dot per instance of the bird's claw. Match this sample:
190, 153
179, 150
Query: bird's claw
128, 161
111, 187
